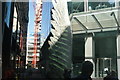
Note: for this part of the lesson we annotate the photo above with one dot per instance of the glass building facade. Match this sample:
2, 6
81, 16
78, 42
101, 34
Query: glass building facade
95, 35
89, 5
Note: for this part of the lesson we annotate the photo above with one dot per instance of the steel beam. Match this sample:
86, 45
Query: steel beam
81, 24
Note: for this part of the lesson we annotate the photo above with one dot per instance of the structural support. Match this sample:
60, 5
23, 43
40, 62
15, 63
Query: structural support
116, 3
85, 5
97, 68
38, 14
118, 55
118, 40
113, 14
97, 22
89, 51
79, 22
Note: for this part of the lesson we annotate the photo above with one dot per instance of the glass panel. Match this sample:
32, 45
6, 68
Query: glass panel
78, 53
75, 26
78, 7
7, 13
105, 53
106, 19
100, 5
75, 6
103, 66
89, 22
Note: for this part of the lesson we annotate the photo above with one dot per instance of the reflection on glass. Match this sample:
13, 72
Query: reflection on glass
78, 7
100, 5
103, 66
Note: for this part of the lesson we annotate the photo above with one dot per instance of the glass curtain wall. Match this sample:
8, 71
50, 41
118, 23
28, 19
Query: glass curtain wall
105, 53
78, 53
100, 4
83, 5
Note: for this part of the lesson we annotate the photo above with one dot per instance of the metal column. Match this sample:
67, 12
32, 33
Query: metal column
118, 55
89, 51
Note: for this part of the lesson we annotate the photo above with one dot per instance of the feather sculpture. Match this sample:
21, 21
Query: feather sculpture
60, 20
60, 50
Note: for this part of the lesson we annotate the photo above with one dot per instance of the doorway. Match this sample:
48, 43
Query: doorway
105, 53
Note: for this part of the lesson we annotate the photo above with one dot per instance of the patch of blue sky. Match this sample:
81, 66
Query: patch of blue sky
111, 1
31, 18
46, 19
7, 16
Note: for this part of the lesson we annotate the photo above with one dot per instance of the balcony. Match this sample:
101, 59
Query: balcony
33, 50
29, 54
31, 59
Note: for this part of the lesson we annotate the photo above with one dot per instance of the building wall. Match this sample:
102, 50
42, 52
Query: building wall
105, 45
31, 48
78, 52
8, 41
100, 46
23, 18
7, 37
0, 41
58, 57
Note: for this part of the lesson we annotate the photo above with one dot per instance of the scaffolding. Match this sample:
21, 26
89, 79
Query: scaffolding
38, 16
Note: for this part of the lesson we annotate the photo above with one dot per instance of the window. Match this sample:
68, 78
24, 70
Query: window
100, 5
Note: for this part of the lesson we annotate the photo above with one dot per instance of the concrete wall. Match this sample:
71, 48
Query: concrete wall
88, 47
0, 40
89, 51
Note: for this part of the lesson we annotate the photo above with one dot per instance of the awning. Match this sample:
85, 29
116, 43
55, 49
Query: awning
95, 21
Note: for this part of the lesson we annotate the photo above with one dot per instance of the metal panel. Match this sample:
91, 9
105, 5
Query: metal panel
88, 21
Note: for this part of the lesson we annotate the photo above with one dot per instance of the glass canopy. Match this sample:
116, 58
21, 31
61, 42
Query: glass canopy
94, 21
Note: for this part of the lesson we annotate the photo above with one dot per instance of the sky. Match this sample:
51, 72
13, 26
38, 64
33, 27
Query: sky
31, 18
46, 17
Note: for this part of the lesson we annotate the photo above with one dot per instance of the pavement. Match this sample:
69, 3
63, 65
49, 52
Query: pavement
31, 74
